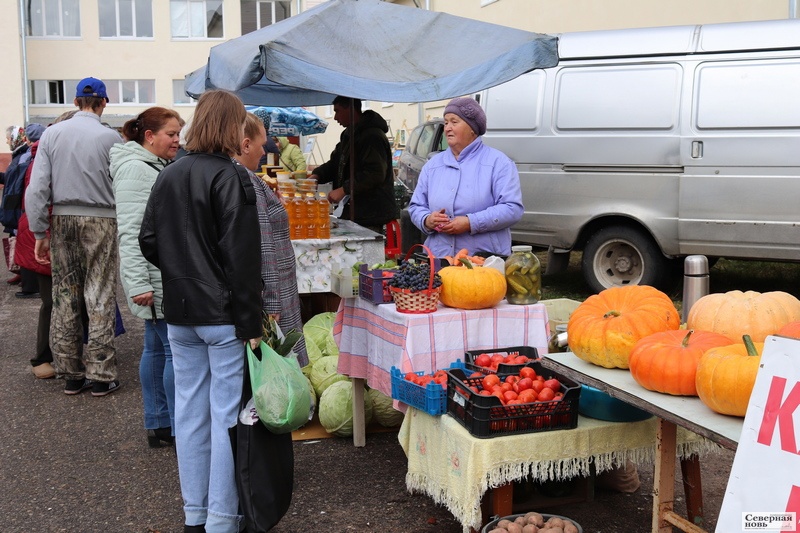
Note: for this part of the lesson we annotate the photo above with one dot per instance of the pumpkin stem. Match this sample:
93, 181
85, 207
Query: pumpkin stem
466, 262
685, 343
611, 313
748, 344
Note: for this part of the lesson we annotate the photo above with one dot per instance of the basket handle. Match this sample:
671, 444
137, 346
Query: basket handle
431, 259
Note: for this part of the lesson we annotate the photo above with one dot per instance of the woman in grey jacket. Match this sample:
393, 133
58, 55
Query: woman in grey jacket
152, 143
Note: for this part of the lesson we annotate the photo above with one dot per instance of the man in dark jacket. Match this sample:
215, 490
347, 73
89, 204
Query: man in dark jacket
373, 190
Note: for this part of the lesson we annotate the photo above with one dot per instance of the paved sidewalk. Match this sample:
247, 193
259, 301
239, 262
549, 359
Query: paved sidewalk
81, 464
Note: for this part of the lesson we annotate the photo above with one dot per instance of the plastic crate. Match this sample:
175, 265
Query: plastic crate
432, 398
486, 416
503, 368
559, 310
344, 284
372, 285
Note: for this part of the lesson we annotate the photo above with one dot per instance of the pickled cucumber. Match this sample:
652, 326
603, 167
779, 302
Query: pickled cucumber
523, 276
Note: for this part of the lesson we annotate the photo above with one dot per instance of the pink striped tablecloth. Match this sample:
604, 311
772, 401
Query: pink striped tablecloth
374, 338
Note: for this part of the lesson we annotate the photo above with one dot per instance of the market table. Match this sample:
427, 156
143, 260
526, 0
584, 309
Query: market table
374, 338
671, 411
455, 469
349, 243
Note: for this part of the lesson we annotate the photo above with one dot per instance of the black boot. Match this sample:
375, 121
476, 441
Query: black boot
194, 529
158, 438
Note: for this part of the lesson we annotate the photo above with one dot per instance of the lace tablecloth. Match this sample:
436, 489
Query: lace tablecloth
456, 469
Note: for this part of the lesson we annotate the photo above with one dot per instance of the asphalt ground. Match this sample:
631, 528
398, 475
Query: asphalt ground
81, 464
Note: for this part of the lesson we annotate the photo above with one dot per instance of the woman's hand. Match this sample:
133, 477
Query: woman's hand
456, 226
436, 220
254, 343
145, 299
336, 195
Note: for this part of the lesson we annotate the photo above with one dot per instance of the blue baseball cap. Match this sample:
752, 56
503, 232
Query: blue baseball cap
91, 87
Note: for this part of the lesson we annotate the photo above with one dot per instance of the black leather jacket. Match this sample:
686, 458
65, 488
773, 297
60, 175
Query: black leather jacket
201, 229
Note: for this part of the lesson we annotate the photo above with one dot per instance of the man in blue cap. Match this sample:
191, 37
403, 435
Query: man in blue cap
71, 174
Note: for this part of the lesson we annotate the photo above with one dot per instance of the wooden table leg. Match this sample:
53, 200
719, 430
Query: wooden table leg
502, 497
692, 487
664, 477
359, 428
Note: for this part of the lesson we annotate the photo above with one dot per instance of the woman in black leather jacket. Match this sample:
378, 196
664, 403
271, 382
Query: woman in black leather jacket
201, 229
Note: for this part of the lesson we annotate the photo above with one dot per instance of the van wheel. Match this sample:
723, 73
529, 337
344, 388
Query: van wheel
620, 255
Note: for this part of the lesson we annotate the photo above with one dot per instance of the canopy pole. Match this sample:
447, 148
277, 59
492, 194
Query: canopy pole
352, 149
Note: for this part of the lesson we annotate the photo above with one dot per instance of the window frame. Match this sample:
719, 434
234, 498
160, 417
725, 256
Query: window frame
29, 18
134, 21
118, 91
258, 5
61, 85
191, 101
191, 37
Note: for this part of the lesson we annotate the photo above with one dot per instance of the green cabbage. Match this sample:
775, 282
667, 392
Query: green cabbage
323, 373
383, 410
313, 397
336, 409
314, 354
319, 330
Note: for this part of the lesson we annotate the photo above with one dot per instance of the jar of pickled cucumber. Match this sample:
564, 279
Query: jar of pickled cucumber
523, 276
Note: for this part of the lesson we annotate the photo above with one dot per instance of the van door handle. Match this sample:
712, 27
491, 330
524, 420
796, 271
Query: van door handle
697, 149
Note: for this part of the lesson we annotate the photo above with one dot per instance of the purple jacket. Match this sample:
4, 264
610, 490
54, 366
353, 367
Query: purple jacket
483, 185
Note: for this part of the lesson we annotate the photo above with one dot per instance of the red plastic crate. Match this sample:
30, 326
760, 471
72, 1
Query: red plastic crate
372, 285
528, 351
432, 398
486, 416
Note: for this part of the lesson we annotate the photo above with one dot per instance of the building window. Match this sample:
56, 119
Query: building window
53, 18
179, 95
46, 92
126, 18
257, 14
196, 19
131, 91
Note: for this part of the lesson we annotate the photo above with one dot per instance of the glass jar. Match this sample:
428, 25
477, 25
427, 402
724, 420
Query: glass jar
523, 276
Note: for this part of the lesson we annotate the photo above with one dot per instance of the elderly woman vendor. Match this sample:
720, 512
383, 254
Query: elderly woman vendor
468, 196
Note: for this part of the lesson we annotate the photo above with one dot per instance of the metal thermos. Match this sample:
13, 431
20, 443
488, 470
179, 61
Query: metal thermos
695, 282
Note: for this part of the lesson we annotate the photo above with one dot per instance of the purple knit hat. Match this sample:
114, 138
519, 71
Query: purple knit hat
470, 112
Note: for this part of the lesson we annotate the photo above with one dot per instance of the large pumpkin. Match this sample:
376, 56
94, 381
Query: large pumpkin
791, 330
726, 376
667, 361
604, 328
471, 288
738, 313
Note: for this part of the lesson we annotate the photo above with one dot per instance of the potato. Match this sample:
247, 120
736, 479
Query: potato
530, 528
569, 527
535, 519
503, 523
555, 529
555, 521
513, 527
521, 521
499, 530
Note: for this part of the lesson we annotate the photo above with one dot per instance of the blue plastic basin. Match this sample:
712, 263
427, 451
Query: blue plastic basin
595, 403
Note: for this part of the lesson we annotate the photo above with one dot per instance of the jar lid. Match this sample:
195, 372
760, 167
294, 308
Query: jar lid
522, 248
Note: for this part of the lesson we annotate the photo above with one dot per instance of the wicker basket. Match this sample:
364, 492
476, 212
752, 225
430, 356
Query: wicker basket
417, 302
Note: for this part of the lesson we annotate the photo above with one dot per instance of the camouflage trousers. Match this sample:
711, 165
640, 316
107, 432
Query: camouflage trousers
85, 259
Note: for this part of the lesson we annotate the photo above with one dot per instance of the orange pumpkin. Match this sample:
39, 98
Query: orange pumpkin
471, 288
667, 361
792, 330
738, 313
604, 328
726, 376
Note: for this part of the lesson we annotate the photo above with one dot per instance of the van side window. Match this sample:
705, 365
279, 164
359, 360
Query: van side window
426, 140
411, 145
618, 97
527, 94
748, 95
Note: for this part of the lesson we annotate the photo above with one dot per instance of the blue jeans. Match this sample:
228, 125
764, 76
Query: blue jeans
157, 377
209, 366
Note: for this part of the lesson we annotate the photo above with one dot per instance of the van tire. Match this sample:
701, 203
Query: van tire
622, 255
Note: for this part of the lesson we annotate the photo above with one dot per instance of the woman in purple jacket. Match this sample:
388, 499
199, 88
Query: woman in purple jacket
468, 196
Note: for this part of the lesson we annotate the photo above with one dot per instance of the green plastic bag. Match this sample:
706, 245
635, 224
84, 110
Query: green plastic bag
280, 390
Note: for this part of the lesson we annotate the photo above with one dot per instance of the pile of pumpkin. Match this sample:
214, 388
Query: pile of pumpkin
716, 357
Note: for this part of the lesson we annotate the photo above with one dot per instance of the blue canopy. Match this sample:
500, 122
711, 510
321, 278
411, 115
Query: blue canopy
371, 50
287, 121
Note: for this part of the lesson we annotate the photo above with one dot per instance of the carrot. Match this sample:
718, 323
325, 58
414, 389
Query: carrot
449, 259
462, 253
477, 260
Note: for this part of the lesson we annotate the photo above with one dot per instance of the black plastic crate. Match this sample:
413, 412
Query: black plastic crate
503, 368
486, 416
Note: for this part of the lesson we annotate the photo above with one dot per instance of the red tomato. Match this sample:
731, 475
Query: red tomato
497, 358
512, 379
553, 383
558, 396
520, 360
476, 375
484, 392
506, 387
490, 381
527, 372
475, 389
537, 386
441, 379
483, 360
527, 396
510, 395
509, 358
500, 396
546, 395
524, 383
412, 377
514, 402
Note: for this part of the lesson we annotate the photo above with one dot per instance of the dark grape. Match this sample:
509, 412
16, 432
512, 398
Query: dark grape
414, 276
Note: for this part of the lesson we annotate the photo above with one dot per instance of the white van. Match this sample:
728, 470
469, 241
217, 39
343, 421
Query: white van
646, 145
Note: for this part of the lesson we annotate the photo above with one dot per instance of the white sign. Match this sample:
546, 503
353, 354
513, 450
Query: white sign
763, 492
